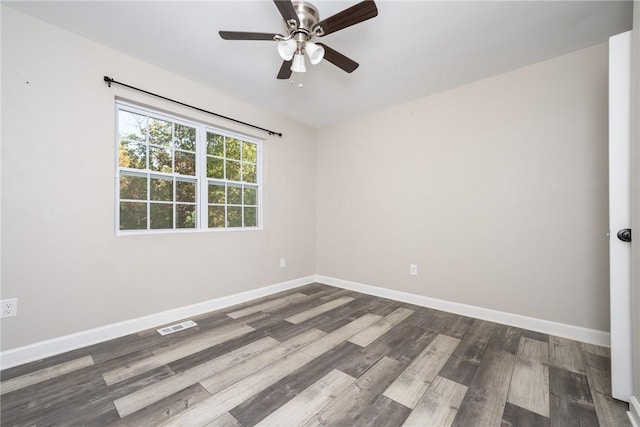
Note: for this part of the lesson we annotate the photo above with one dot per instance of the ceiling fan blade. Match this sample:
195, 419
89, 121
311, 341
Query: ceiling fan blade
338, 59
287, 10
285, 70
242, 35
354, 15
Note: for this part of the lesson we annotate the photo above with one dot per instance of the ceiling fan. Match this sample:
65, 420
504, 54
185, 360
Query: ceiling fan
302, 24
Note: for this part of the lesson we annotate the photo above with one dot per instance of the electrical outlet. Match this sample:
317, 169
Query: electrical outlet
283, 262
413, 269
9, 307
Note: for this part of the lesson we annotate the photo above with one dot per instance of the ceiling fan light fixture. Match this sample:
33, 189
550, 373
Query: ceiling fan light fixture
297, 66
314, 51
302, 23
286, 49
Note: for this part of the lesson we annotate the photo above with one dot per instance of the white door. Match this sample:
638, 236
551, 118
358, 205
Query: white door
620, 212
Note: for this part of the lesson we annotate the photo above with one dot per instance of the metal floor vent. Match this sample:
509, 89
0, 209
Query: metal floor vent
177, 327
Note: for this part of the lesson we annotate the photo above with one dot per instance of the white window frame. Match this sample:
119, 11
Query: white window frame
201, 179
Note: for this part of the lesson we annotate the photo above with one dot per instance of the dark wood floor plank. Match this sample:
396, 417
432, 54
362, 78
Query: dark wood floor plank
566, 413
349, 406
565, 353
314, 288
535, 335
459, 370
506, 338
381, 327
569, 385
441, 322
302, 290
487, 395
463, 364
270, 305
283, 330
409, 387
402, 346
283, 313
360, 306
571, 403
318, 310
270, 399
383, 412
224, 420
474, 342
598, 369
610, 411
510, 416
331, 293
514, 416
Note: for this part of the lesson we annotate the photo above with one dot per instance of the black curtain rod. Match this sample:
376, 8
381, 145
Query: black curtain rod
109, 81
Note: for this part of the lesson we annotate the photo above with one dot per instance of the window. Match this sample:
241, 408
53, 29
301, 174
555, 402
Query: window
175, 174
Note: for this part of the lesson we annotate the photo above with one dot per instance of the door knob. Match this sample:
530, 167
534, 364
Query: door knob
625, 234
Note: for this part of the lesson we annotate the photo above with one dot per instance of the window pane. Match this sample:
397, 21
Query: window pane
160, 159
234, 195
233, 148
160, 132
234, 216
131, 126
215, 168
248, 172
133, 216
250, 217
216, 193
185, 163
233, 170
185, 191
250, 196
161, 174
249, 152
216, 216
161, 215
132, 155
185, 138
161, 189
215, 144
185, 216
133, 187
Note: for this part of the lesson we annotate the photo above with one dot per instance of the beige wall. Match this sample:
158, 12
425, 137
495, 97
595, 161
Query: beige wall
497, 190
60, 256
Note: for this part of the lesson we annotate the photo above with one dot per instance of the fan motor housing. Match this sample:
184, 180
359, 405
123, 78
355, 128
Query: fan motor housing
307, 15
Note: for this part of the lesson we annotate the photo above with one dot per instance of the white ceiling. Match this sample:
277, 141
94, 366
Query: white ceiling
410, 50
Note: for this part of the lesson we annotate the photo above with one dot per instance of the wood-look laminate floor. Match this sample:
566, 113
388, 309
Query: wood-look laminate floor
318, 355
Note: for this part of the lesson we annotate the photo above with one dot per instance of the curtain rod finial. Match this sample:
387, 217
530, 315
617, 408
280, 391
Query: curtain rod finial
108, 80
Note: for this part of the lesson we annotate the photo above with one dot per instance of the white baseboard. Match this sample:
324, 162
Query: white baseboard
29, 353
577, 333
634, 411
51, 347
